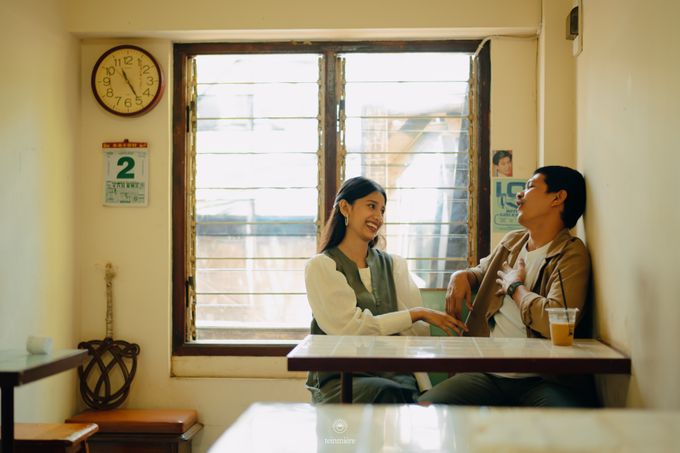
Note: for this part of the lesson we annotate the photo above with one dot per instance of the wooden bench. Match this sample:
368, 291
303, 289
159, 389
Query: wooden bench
52, 437
141, 430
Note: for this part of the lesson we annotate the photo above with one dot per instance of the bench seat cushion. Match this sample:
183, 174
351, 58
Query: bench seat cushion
161, 421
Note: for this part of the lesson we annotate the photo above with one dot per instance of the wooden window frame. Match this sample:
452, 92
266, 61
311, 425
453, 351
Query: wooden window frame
180, 127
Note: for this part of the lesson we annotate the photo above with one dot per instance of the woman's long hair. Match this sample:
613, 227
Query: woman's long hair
350, 191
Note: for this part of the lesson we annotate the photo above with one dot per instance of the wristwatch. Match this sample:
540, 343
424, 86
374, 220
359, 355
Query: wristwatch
513, 287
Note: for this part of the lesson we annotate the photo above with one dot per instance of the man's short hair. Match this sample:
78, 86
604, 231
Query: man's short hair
498, 155
564, 178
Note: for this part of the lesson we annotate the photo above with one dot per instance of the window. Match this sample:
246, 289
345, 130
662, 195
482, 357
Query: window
263, 136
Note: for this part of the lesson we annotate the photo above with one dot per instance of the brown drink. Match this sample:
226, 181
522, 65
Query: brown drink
562, 333
562, 323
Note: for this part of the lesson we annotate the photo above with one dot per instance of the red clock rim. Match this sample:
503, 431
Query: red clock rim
157, 97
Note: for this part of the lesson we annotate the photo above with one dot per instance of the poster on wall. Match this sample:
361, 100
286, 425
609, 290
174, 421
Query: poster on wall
126, 173
503, 205
501, 163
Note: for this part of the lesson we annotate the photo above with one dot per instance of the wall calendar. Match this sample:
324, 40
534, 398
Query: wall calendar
126, 173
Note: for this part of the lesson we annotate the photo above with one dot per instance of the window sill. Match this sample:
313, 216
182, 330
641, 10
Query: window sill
242, 359
251, 348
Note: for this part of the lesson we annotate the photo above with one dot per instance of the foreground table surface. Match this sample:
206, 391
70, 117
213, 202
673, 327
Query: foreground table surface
459, 354
281, 427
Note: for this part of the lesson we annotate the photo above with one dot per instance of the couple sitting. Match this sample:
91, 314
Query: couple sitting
355, 289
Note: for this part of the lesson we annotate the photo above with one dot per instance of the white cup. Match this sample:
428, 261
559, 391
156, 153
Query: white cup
39, 345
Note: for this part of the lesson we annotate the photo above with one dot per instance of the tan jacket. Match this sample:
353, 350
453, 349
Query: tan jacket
566, 252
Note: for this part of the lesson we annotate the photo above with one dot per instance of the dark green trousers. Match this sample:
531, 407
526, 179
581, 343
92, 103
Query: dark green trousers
482, 389
381, 389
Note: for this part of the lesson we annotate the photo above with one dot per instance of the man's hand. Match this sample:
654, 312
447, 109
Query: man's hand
446, 322
457, 293
508, 275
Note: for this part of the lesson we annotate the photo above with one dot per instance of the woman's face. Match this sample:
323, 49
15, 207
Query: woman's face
365, 216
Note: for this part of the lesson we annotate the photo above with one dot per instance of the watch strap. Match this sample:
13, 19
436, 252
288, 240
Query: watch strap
513, 286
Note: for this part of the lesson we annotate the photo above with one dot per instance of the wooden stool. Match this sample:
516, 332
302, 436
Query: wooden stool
52, 437
141, 430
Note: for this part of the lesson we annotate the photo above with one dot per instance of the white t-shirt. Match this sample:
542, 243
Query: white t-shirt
334, 303
508, 320
365, 276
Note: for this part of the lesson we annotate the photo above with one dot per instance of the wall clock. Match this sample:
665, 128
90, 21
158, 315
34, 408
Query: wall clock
127, 80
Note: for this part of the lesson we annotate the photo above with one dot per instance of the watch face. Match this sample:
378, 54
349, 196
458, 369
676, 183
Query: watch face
127, 80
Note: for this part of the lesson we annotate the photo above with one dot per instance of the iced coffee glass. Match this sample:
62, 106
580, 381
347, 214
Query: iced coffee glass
562, 322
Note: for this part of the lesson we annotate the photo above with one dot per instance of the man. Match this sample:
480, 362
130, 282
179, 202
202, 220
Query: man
502, 163
515, 284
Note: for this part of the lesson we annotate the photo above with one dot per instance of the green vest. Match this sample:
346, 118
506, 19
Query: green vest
382, 300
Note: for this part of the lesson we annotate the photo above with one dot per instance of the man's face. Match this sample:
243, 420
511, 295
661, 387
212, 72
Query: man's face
535, 203
505, 167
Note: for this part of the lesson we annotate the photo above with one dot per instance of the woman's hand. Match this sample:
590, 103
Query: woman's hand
446, 322
458, 293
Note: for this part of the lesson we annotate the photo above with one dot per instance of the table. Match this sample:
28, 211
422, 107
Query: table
18, 367
347, 354
301, 428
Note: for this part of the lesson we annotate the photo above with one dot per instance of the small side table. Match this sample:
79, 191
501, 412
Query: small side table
18, 367
53, 437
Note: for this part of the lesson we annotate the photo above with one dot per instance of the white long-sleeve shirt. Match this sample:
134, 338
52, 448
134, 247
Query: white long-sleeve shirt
334, 304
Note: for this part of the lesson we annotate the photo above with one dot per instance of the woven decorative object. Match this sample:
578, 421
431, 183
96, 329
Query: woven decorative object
106, 378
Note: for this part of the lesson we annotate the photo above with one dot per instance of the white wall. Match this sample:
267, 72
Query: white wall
557, 88
628, 117
38, 141
138, 240
513, 117
298, 19
51, 132
52, 156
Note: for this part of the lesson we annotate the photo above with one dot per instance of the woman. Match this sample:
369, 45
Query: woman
355, 289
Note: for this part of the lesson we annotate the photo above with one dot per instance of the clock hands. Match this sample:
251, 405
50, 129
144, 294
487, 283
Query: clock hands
128, 82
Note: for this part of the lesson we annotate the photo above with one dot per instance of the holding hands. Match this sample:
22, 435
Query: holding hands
446, 322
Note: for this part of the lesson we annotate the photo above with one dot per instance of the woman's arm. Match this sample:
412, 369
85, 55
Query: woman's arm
408, 295
334, 304
409, 298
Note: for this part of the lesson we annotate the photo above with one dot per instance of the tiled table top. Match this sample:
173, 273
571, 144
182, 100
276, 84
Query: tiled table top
299, 428
403, 353
18, 367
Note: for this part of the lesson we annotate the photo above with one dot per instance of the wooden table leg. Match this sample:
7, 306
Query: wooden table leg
346, 387
7, 413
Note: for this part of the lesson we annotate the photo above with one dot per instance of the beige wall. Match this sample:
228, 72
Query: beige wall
137, 241
51, 130
54, 138
513, 121
38, 141
557, 88
628, 118
298, 19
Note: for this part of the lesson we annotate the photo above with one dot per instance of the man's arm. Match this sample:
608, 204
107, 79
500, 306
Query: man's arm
574, 266
459, 292
463, 283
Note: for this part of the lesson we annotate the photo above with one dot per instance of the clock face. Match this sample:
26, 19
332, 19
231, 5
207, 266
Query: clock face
127, 81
